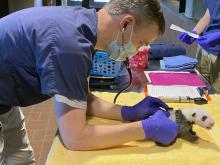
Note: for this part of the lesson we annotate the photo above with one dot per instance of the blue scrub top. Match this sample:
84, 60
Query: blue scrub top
214, 25
46, 51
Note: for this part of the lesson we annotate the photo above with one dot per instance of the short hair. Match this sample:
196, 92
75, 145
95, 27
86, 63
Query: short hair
144, 11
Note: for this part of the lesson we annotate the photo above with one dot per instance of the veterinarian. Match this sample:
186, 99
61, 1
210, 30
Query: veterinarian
208, 55
47, 52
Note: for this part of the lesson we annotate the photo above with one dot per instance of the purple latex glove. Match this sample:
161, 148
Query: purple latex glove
148, 106
210, 40
187, 39
160, 128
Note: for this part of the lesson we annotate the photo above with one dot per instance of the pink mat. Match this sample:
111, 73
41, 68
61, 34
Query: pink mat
190, 79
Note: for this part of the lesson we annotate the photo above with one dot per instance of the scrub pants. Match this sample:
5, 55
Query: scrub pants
209, 67
15, 148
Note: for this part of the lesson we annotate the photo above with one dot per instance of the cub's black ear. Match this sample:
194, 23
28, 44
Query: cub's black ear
194, 114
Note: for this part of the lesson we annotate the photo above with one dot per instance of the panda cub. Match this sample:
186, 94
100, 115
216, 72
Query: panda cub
186, 117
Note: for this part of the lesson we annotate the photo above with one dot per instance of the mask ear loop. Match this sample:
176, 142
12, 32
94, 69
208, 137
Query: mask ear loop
132, 31
123, 36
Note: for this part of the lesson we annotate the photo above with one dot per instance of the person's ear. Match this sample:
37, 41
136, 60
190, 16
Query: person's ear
126, 20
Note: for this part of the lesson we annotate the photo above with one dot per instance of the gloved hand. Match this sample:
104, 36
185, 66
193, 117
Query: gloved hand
187, 39
160, 128
148, 106
209, 40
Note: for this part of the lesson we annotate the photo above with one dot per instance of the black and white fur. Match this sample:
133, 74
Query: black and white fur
190, 116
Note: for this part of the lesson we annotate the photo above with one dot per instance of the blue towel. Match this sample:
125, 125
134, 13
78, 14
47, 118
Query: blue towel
162, 66
158, 51
180, 61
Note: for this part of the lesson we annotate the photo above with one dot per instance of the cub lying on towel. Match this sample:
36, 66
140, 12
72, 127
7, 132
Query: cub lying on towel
186, 117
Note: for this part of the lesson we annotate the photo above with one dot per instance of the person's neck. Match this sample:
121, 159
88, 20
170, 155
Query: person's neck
107, 30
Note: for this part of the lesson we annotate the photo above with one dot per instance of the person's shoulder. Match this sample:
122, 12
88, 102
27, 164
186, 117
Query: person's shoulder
82, 22
83, 16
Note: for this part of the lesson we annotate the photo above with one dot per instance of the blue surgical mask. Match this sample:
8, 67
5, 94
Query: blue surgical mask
121, 52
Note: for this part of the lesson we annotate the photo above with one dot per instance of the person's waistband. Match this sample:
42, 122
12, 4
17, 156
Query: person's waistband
4, 109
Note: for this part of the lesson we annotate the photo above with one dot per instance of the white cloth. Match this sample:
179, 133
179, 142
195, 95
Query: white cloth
73, 103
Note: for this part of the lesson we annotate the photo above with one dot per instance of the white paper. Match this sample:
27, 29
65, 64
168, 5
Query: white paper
173, 91
177, 28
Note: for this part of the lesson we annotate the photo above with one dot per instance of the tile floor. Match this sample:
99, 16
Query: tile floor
41, 126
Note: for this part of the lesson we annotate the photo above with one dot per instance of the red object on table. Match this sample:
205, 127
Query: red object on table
138, 64
139, 61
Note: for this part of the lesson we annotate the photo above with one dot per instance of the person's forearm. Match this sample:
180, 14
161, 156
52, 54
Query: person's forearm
93, 137
203, 22
77, 134
100, 108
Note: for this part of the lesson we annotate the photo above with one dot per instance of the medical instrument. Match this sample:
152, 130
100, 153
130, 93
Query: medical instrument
126, 62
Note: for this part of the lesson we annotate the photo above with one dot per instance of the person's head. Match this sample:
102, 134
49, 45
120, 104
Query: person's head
139, 20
